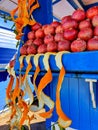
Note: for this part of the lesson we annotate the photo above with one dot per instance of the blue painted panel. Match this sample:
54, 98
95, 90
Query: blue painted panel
94, 112
82, 62
53, 96
74, 102
6, 54
44, 13
3, 75
84, 105
50, 90
64, 95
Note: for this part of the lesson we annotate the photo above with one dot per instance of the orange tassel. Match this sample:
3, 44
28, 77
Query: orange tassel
9, 87
64, 120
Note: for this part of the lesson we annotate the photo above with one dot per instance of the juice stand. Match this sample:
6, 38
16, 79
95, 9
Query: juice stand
78, 94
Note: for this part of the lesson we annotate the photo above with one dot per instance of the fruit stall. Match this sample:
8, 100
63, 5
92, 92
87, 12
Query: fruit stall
60, 58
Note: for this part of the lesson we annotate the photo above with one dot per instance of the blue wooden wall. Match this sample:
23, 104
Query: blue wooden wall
76, 103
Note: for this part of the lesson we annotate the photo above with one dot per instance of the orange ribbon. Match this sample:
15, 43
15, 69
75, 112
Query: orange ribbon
9, 87
24, 10
63, 120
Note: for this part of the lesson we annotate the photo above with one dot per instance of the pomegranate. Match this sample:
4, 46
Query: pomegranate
65, 18
42, 48
85, 24
96, 31
64, 45
31, 49
58, 37
48, 38
36, 26
39, 33
44, 26
70, 34
49, 30
70, 24
31, 35
55, 24
59, 29
29, 42
79, 15
78, 45
91, 12
92, 44
38, 41
95, 21
23, 50
52, 47
85, 34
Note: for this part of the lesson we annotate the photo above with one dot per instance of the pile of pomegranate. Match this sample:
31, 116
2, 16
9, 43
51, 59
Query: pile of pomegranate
75, 33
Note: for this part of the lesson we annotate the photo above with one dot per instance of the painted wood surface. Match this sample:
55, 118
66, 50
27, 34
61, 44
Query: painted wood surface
76, 103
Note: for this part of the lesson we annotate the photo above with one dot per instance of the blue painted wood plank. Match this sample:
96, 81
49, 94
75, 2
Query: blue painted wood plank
65, 97
82, 62
48, 91
53, 96
84, 105
74, 102
6, 54
43, 14
94, 111
3, 76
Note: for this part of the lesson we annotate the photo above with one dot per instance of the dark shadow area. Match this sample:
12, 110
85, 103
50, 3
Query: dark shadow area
4, 127
36, 126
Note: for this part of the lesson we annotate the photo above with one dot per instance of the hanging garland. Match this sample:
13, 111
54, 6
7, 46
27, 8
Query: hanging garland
15, 93
24, 10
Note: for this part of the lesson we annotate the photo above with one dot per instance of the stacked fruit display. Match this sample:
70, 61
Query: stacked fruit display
77, 32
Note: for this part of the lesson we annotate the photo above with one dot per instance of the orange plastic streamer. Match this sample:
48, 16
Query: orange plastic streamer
34, 7
23, 105
47, 78
13, 109
9, 87
43, 98
43, 83
16, 91
63, 120
13, 13
47, 114
34, 78
21, 66
24, 11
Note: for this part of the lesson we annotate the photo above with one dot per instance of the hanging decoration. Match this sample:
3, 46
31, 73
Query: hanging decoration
24, 10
